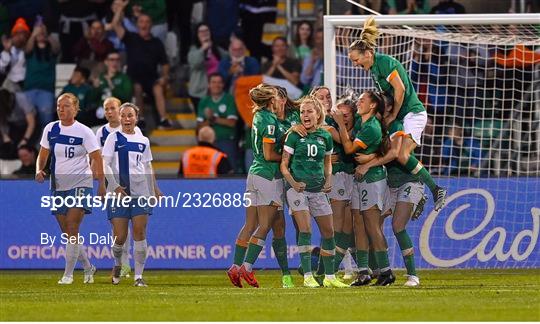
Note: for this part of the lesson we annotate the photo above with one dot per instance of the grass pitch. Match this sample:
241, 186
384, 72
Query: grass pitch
447, 295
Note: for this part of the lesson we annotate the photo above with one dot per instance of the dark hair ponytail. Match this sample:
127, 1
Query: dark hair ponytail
377, 97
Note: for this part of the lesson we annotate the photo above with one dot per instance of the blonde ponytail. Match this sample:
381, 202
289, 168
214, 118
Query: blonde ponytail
261, 96
368, 37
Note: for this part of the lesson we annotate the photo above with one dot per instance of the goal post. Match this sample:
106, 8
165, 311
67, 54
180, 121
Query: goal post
330, 22
479, 79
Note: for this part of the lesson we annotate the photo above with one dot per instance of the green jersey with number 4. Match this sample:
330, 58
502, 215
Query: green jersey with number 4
369, 137
397, 174
307, 157
384, 69
264, 130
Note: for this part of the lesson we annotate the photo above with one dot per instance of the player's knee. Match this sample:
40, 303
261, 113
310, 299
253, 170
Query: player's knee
139, 234
328, 233
72, 229
262, 230
397, 226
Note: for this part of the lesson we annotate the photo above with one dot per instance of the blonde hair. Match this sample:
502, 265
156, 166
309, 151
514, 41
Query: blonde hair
130, 105
73, 98
261, 96
368, 37
317, 104
112, 99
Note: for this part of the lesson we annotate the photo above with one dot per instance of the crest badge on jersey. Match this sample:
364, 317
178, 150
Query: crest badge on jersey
271, 129
222, 108
320, 140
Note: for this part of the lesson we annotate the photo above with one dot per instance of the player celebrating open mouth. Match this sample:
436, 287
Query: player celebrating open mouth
391, 78
129, 172
307, 167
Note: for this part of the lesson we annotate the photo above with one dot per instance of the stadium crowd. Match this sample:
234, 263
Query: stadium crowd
146, 51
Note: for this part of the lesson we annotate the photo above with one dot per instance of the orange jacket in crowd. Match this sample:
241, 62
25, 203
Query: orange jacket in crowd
204, 161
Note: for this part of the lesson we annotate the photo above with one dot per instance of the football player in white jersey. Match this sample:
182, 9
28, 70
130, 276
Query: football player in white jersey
129, 172
71, 145
112, 114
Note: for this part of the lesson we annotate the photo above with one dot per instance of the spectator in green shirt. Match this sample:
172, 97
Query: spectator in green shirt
112, 82
218, 110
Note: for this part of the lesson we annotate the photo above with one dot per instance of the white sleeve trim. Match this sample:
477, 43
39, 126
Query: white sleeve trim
288, 149
329, 152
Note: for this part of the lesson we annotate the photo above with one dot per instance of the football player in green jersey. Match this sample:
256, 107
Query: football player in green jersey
404, 198
368, 196
263, 190
323, 94
307, 167
343, 180
289, 120
390, 77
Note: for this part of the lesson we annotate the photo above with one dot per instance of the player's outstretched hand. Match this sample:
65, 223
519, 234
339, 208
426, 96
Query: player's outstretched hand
40, 176
299, 186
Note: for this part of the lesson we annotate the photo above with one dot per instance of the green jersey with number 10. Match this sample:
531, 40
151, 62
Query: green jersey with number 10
307, 157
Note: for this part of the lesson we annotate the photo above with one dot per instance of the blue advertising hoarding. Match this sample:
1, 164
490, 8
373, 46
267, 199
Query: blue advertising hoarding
487, 223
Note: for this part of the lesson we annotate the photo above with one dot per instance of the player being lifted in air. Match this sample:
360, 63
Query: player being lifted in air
391, 77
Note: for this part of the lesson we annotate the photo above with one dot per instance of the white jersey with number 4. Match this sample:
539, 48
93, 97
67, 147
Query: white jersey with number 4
69, 148
130, 154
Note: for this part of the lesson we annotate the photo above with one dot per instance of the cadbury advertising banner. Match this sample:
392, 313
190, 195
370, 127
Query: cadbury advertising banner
487, 223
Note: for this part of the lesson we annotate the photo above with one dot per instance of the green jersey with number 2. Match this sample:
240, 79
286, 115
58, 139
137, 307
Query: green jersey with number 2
369, 137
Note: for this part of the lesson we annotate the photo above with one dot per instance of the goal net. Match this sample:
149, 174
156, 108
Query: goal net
478, 77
